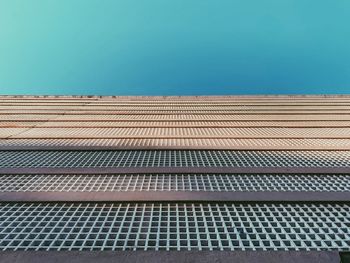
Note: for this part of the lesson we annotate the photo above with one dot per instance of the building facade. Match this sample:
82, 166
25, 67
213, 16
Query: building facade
175, 179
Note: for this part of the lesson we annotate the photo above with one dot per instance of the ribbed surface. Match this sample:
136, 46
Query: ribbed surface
174, 182
15, 159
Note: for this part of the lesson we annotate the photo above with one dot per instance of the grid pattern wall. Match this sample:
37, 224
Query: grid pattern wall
176, 117
175, 158
164, 132
178, 124
174, 226
174, 182
197, 103
132, 107
193, 142
264, 130
167, 112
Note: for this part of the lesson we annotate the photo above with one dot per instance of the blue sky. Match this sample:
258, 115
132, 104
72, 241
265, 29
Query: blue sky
182, 47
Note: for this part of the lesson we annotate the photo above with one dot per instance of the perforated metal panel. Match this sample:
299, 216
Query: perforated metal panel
174, 226
167, 158
174, 182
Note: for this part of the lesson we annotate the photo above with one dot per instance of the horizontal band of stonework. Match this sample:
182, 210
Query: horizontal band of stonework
170, 256
207, 170
170, 196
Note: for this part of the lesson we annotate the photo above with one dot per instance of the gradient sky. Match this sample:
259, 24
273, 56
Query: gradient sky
174, 47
